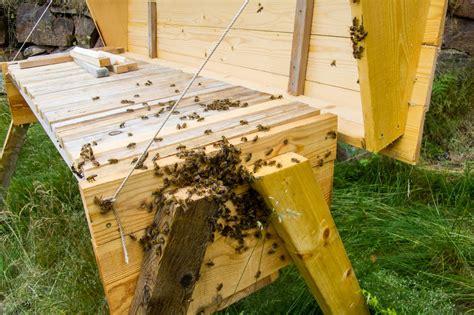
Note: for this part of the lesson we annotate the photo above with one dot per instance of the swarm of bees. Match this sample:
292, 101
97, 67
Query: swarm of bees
215, 176
221, 105
358, 34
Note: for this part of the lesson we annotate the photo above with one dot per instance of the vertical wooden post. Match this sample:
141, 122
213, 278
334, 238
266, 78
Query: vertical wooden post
11, 151
300, 48
303, 220
152, 29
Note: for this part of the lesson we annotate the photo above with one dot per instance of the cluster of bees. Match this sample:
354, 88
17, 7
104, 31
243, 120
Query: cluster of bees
87, 154
214, 177
358, 34
224, 104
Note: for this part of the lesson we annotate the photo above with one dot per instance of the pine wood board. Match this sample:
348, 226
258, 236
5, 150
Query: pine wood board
110, 18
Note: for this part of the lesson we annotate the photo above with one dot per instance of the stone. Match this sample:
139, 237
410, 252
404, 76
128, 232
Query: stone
51, 31
85, 31
464, 8
3, 30
34, 50
459, 35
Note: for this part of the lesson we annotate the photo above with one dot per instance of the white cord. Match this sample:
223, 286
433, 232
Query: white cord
33, 29
113, 199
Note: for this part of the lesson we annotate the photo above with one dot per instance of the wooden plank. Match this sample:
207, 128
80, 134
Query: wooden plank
303, 220
387, 64
110, 18
20, 111
152, 29
300, 46
45, 60
96, 72
170, 269
10, 153
125, 67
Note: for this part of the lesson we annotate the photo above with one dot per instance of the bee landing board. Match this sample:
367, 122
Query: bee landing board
101, 125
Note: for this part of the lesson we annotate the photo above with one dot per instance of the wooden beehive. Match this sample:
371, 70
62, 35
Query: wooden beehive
375, 97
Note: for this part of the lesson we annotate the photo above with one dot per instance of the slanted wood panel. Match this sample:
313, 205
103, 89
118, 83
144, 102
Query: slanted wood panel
111, 19
388, 64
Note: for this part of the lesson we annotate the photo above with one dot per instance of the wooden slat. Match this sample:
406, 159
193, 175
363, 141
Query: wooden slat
300, 46
45, 60
152, 31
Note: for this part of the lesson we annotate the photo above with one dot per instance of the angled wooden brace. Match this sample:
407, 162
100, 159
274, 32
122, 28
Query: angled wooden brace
22, 116
303, 220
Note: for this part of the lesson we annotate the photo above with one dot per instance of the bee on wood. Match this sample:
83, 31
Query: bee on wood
219, 287
210, 263
279, 165
199, 83
130, 134
158, 139
137, 84
134, 160
272, 163
258, 274
200, 119
114, 133
91, 178
285, 142
260, 8
178, 126
125, 101
176, 91
255, 139
132, 236
181, 147
130, 110
184, 125
94, 142
196, 99
331, 135
357, 52
207, 131
73, 169
282, 257
131, 145
276, 97
248, 157
172, 85
244, 122
122, 125
95, 163
183, 117
144, 117
261, 127
271, 251
295, 160
136, 95
244, 104
96, 98
269, 151
243, 139
175, 112
113, 161
333, 63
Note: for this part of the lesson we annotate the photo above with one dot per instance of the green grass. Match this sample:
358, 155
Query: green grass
408, 230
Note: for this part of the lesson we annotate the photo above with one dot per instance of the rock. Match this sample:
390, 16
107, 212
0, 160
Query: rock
99, 43
3, 29
34, 50
63, 10
459, 35
464, 8
85, 31
51, 31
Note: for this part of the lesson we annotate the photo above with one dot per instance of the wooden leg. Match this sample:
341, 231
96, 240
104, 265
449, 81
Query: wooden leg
170, 269
303, 220
11, 151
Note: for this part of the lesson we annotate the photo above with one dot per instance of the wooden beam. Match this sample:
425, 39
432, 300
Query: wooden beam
111, 20
152, 29
11, 151
300, 48
20, 111
387, 43
171, 266
304, 222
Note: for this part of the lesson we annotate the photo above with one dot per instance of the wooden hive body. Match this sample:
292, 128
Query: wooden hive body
380, 99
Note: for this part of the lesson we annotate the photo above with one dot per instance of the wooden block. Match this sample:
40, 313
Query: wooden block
96, 72
300, 46
45, 60
303, 220
125, 67
171, 267
98, 62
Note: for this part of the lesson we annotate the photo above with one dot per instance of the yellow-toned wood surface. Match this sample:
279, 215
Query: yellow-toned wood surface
258, 50
112, 112
303, 220
387, 65
20, 111
110, 17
